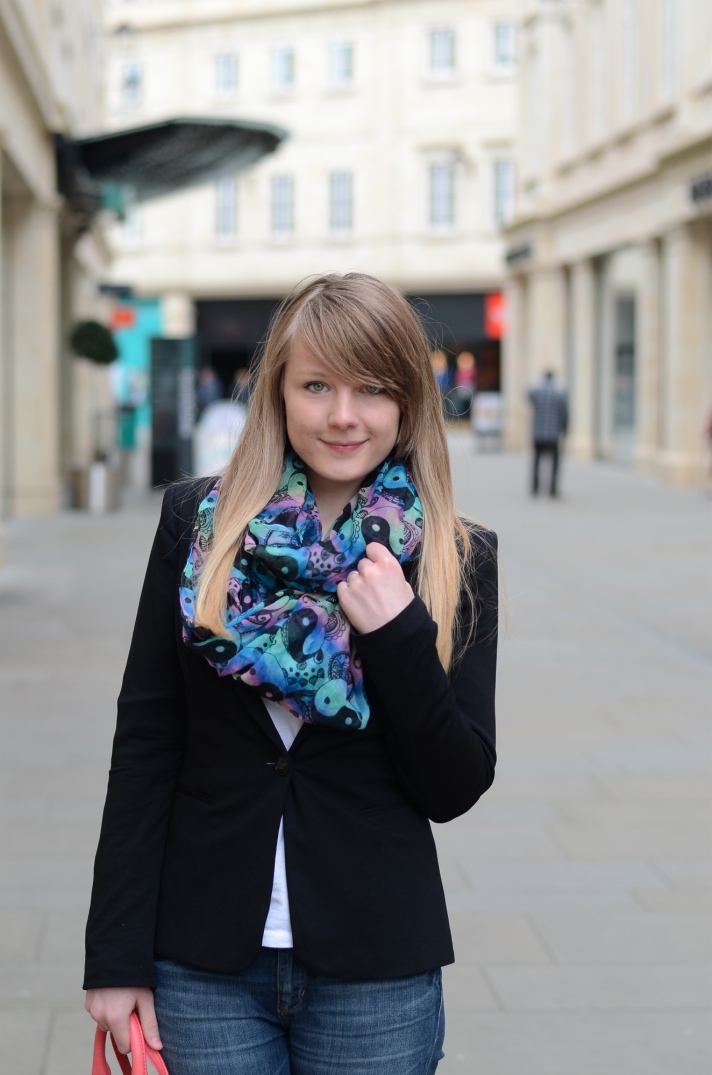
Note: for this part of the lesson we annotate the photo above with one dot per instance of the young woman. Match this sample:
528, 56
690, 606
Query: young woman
311, 679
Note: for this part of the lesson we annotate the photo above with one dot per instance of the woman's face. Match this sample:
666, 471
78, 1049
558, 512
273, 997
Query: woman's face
341, 431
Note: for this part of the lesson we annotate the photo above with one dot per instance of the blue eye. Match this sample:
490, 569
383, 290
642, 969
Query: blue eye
373, 390
315, 387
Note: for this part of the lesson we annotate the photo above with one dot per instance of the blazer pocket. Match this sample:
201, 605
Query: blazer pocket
195, 793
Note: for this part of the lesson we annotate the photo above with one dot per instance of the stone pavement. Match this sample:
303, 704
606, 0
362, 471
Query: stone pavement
579, 887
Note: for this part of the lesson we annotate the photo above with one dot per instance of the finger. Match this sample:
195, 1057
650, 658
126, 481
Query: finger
378, 553
149, 1023
121, 1035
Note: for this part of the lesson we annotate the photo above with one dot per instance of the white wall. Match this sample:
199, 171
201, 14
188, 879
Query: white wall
395, 120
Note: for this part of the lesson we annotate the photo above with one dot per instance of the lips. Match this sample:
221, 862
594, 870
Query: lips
344, 448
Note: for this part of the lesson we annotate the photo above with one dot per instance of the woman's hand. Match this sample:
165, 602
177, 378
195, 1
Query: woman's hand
375, 593
111, 1008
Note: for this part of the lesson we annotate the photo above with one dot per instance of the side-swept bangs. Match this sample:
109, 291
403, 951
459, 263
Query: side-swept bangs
368, 333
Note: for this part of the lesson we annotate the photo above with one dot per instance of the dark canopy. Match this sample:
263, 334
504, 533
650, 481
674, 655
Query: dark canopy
176, 153
159, 158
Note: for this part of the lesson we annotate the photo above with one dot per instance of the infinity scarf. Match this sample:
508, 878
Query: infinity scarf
287, 636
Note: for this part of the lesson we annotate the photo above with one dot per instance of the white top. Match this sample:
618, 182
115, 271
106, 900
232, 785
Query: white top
278, 927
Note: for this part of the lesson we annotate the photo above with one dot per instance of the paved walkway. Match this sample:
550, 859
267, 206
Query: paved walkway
579, 887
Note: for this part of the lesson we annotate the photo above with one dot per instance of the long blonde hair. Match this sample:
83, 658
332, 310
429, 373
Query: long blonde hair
364, 331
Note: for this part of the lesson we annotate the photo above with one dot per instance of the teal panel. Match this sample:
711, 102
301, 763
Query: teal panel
132, 379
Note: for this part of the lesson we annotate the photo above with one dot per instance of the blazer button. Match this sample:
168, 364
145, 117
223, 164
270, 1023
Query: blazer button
282, 766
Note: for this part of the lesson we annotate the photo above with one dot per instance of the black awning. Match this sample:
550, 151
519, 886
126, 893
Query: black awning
159, 158
177, 153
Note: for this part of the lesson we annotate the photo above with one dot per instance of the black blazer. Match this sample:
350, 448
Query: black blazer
200, 778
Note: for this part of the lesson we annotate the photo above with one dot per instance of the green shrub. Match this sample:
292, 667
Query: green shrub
92, 340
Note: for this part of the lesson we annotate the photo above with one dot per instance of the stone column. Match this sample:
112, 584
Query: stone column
648, 395
4, 408
514, 362
582, 390
547, 324
684, 403
34, 355
178, 314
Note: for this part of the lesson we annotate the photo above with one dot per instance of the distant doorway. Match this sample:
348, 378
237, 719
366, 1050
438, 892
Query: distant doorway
624, 373
227, 362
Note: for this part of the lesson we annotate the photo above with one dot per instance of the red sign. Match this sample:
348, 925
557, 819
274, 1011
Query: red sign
123, 317
494, 315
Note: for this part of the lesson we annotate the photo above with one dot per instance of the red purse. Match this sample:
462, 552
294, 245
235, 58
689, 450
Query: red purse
140, 1053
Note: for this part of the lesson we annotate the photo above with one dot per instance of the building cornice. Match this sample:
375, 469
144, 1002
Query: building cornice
29, 57
689, 145
689, 148
147, 21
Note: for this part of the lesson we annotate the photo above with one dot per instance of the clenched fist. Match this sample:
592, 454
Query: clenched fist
374, 594
111, 1008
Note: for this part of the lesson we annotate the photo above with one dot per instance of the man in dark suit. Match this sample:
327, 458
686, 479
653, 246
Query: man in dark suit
549, 424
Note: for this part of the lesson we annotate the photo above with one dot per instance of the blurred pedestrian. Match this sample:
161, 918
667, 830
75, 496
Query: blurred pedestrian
209, 387
266, 873
465, 382
438, 360
550, 417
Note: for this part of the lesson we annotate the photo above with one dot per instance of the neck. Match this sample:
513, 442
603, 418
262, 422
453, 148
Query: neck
331, 497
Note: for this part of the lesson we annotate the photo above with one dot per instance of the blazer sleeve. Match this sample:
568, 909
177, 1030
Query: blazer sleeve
146, 759
440, 729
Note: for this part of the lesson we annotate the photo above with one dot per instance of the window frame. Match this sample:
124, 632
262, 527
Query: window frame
136, 97
670, 14
341, 199
504, 61
225, 188
280, 53
503, 193
338, 80
438, 222
436, 70
226, 88
133, 226
280, 207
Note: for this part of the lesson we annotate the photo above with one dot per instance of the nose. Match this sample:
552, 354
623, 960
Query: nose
343, 411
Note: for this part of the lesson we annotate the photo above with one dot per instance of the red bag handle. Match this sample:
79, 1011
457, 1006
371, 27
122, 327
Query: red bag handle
140, 1053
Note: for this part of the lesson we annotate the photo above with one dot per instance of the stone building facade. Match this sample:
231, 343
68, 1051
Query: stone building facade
610, 251
49, 263
401, 117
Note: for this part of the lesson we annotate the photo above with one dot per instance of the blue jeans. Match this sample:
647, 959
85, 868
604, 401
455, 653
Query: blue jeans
277, 1018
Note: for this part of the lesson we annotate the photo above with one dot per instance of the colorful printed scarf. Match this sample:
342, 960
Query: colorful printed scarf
288, 637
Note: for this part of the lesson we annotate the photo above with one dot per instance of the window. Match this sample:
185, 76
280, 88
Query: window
569, 89
226, 73
283, 69
133, 225
505, 46
226, 207
503, 192
282, 205
442, 185
670, 32
131, 83
630, 58
341, 202
598, 70
442, 52
341, 63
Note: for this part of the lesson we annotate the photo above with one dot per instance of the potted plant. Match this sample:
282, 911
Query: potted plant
91, 340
